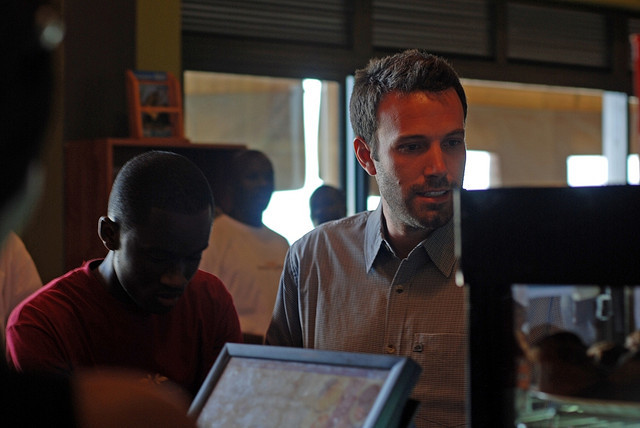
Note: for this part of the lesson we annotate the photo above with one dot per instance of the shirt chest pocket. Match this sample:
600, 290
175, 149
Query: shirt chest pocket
440, 354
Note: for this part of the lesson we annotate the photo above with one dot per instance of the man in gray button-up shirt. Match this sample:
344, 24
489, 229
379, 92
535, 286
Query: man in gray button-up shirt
384, 281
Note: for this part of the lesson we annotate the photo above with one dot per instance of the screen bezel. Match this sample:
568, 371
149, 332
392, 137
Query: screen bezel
389, 406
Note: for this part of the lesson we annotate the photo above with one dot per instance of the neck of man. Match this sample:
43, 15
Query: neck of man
107, 277
402, 238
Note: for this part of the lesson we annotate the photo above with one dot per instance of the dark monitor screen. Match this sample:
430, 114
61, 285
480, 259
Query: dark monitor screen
267, 386
553, 303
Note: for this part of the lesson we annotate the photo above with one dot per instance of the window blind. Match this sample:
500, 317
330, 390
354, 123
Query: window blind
452, 26
321, 22
559, 36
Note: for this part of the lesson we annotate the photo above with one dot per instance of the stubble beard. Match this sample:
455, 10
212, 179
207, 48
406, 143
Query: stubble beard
406, 211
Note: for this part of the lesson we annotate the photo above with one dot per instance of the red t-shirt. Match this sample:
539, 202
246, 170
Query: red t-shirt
74, 322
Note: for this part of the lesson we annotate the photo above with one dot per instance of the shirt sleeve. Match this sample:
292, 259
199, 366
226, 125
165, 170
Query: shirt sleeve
31, 346
285, 328
232, 332
218, 330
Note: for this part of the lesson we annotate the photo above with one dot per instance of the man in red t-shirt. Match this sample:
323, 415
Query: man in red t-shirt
145, 306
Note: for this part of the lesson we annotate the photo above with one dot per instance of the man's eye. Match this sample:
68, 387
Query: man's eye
452, 143
409, 147
157, 259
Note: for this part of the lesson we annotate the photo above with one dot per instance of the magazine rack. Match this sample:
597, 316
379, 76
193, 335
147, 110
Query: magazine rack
155, 105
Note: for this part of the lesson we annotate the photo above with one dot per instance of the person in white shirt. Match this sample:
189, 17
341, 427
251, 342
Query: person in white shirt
30, 33
244, 253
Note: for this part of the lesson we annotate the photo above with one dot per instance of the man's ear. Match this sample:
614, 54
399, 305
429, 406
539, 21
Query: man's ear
109, 232
363, 154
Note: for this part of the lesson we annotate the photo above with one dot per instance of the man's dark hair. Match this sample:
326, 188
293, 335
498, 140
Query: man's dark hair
324, 195
158, 179
409, 71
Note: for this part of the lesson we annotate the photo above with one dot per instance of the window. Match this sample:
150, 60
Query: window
293, 121
586, 170
482, 170
288, 212
633, 169
592, 170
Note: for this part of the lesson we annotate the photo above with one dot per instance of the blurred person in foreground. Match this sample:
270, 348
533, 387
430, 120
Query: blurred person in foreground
245, 254
383, 281
30, 32
327, 203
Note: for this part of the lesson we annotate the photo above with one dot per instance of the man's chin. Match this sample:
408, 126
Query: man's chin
158, 306
159, 310
435, 220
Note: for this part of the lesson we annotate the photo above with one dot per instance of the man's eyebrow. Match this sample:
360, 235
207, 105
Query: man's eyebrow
412, 137
157, 251
456, 132
161, 251
421, 137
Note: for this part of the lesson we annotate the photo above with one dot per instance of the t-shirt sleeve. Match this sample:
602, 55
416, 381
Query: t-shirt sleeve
220, 326
31, 344
231, 332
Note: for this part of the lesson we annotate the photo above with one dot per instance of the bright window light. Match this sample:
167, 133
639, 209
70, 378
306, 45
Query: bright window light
477, 172
288, 211
587, 170
633, 169
372, 202
592, 170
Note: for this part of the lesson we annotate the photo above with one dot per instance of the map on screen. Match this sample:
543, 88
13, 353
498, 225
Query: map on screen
266, 386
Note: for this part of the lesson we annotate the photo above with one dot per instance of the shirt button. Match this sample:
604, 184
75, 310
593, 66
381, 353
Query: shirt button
417, 347
390, 349
399, 289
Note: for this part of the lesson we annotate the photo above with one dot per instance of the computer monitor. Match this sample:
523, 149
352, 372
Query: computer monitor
551, 274
270, 386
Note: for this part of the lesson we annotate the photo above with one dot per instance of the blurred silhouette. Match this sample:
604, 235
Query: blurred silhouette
327, 203
30, 31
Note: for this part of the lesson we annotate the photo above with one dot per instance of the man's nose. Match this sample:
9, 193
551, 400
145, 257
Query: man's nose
434, 161
175, 275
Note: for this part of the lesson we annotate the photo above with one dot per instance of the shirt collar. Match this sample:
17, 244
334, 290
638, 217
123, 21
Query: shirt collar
439, 245
373, 236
